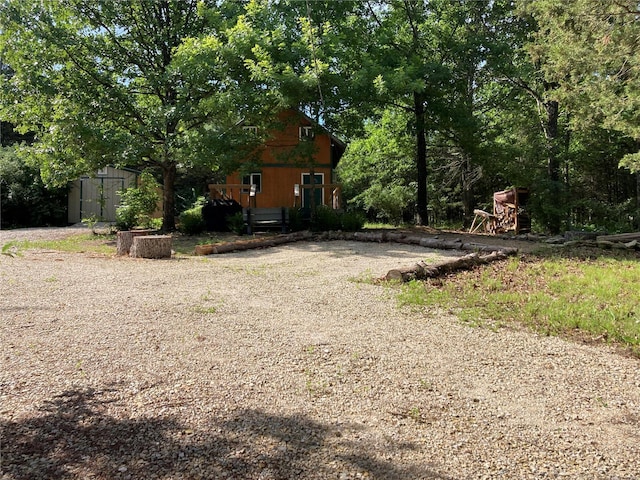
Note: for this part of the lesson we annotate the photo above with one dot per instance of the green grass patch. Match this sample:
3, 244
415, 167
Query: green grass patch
592, 299
81, 243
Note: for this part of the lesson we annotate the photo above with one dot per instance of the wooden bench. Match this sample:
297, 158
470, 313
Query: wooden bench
266, 218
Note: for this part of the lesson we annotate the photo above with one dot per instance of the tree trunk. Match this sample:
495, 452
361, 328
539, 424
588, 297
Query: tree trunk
422, 216
554, 217
467, 192
551, 134
168, 198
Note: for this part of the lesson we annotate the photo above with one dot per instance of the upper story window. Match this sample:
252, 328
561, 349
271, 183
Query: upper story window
250, 129
306, 133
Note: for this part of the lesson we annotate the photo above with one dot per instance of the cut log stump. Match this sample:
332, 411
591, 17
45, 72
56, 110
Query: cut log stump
151, 246
125, 240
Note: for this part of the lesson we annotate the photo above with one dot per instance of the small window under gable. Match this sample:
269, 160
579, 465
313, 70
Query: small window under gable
306, 133
250, 129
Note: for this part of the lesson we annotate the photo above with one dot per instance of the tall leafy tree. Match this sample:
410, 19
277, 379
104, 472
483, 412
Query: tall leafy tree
138, 83
521, 67
405, 52
378, 171
427, 58
592, 50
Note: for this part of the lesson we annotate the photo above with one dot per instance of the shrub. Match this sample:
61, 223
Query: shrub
352, 221
296, 220
137, 204
326, 219
191, 222
235, 223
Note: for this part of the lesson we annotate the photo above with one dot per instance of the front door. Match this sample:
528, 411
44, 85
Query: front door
318, 192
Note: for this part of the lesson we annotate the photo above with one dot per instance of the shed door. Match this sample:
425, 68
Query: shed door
98, 197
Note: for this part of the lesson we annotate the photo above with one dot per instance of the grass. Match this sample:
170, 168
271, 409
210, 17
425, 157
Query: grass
592, 299
84, 242
104, 244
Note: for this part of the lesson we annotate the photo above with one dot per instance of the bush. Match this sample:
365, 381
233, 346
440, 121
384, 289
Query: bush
137, 204
296, 220
126, 217
191, 222
235, 223
25, 200
352, 221
325, 219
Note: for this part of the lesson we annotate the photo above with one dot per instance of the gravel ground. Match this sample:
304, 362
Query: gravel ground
286, 363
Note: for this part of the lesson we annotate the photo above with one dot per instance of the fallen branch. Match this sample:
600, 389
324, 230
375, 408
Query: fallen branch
422, 270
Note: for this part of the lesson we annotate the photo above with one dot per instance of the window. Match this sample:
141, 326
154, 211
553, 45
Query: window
250, 129
253, 179
306, 133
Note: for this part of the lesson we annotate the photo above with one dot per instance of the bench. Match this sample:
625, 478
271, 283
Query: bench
265, 218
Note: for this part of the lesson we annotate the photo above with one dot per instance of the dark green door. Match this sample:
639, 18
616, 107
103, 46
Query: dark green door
306, 192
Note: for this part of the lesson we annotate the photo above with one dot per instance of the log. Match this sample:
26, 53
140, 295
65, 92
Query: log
422, 270
241, 245
151, 246
125, 238
621, 237
429, 242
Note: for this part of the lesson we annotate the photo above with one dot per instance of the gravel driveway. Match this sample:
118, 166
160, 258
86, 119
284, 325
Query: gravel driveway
287, 363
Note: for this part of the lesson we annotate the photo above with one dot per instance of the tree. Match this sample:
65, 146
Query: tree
378, 170
592, 50
409, 68
426, 57
24, 199
138, 83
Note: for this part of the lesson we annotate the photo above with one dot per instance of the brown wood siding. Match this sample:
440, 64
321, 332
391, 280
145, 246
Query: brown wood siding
281, 170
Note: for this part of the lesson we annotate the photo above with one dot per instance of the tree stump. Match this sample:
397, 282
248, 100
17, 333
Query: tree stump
125, 240
151, 246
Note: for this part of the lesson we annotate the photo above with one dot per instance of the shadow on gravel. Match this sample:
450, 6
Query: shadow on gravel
74, 437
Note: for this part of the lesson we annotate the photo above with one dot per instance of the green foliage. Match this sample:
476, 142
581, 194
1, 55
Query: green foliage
592, 58
127, 83
137, 204
191, 221
378, 170
236, 224
352, 221
10, 249
447, 99
325, 219
296, 220
24, 199
82, 243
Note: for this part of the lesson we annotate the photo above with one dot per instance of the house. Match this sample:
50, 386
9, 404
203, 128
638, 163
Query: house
96, 195
295, 167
